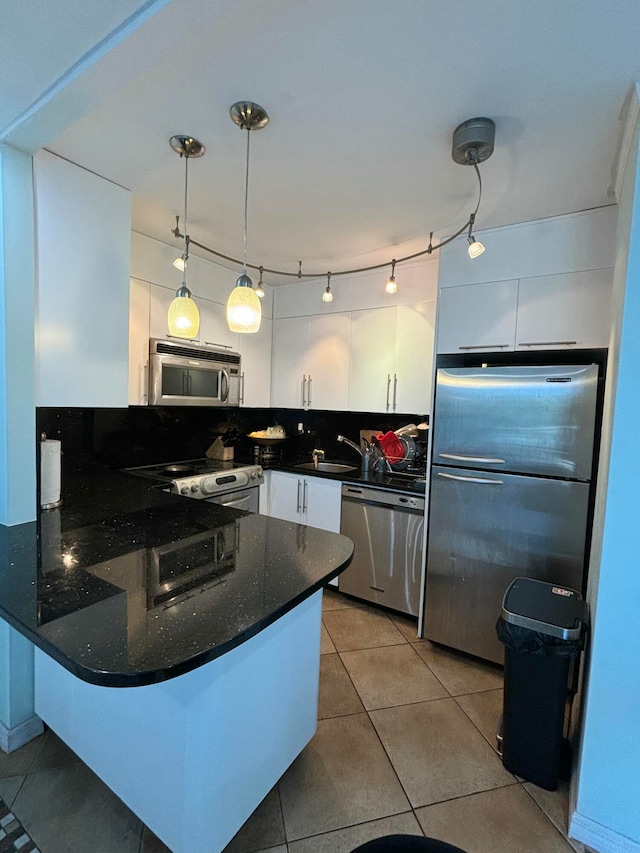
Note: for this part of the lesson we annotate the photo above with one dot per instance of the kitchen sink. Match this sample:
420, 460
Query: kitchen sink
327, 467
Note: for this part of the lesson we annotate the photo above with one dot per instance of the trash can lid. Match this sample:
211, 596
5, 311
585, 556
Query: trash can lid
547, 608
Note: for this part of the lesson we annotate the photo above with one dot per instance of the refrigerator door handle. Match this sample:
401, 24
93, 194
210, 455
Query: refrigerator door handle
470, 479
482, 459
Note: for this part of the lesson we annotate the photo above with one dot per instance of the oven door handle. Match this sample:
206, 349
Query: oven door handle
224, 386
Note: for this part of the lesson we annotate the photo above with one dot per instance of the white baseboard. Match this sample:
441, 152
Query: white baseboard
12, 739
600, 837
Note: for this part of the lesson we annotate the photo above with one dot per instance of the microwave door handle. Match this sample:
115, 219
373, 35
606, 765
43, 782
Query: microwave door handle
224, 386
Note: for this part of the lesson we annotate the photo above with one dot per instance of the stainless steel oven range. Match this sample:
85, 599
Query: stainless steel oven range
230, 484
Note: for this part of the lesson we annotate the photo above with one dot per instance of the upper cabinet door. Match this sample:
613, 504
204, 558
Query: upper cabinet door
290, 363
329, 361
565, 311
373, 342
83, 253
255, 351
413, 376
214, 330
478, 317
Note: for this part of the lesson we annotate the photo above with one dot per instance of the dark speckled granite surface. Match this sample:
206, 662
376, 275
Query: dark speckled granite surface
125, 585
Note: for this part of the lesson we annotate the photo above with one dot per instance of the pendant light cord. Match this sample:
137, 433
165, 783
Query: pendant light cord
186, 239
246, 205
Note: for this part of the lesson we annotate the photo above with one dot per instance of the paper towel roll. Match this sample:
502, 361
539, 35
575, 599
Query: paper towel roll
50, 452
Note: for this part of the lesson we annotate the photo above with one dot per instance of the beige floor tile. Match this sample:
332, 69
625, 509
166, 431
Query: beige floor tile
555, 804
459, 673
345, 840
67, 809
437, 751
391, 675
263, 829
484, 710
343, 777
408, 625
326, 643
9, 787
338, 696
20, 761
54, 753
361, 628
502, 821
334, 600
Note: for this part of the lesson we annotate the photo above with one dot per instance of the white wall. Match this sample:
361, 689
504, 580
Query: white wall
17, 423
607, 814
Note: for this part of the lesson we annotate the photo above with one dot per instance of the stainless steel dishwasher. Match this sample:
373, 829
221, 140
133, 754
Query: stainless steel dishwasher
386, 528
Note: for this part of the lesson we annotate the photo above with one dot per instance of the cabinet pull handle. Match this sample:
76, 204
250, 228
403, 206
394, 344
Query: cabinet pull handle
242, 387
460, 458
395, 390
304, 496
309, 393
483, 480
298, 500
486, 346
304, 389
388, 388
144, 391
546, 343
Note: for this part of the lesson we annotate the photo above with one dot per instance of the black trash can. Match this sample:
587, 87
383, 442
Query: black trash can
542, 627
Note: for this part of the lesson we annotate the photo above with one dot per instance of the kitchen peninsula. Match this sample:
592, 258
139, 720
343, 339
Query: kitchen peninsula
177, 645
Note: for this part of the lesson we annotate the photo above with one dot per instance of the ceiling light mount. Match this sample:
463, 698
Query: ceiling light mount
248, 116
186, 146
473, 141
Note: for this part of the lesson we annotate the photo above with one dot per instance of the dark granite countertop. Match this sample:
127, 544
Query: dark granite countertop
125, 585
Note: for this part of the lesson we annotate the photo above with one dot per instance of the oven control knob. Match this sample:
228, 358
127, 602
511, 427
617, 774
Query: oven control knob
194, 488
184, 490
253, 475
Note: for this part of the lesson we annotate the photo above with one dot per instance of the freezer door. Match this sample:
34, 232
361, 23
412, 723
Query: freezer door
485, 530
530, 420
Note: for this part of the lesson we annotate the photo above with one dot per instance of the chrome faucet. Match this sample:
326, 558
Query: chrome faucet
318, 456
351, 444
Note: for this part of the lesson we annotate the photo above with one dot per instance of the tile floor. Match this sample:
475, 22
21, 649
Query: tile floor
405, 744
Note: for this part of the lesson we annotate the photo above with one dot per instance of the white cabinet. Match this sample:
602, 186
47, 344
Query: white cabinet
306, 500
480, 317
255, 388
138, 342
311, 362
415, 328
391, 362
83, 255
290, 362
565, 311
373, 341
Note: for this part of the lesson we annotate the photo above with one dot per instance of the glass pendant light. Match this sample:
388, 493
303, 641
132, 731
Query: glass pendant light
327, 296
244, 312
183, 317
391, 286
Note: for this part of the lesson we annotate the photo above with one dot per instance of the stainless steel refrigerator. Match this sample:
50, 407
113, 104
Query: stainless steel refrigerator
510, 483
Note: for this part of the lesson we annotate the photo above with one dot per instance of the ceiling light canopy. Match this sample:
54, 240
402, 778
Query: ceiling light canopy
183, 317
473, 143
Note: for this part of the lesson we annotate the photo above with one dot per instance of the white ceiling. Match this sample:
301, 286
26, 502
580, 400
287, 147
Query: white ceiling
363, 96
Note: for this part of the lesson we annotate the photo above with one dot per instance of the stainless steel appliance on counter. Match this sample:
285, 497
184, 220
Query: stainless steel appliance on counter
226, 483
387, 530
186, 374
510, 483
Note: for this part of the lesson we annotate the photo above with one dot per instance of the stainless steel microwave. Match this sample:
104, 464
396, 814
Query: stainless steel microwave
184, 374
